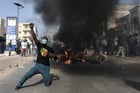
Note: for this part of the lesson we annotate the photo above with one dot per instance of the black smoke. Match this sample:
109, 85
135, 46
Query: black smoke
83, 20
48, 9
80, 20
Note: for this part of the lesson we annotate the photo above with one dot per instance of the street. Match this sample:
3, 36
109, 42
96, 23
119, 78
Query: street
93, 46
116, 75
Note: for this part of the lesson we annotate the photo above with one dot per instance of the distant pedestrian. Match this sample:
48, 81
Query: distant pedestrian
10, 47
18, 46
42, 65
115, 45
23, 48
110, 47
104, 45
31, 48
28, 49
121, 49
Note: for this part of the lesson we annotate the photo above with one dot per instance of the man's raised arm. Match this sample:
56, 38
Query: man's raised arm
33, 33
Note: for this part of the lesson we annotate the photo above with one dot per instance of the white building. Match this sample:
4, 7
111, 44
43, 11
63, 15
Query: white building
120, 11
24, 32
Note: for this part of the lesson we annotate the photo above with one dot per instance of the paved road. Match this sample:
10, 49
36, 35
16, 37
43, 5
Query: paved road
108, 77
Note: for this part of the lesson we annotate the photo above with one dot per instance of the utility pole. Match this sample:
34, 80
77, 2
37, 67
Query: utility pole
19, 6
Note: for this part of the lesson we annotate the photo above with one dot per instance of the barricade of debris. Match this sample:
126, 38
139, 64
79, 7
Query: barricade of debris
69, 56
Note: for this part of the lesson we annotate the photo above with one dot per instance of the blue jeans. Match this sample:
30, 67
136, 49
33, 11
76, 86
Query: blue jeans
37, 69
10, 48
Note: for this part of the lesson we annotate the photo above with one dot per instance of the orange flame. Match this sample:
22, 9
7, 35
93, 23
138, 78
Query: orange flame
68, 62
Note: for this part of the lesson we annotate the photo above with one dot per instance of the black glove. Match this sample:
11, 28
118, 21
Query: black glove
31, 25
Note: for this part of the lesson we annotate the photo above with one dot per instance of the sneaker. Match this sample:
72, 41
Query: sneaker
17, 87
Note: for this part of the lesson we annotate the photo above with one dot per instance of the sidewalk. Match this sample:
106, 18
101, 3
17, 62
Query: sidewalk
6, 53
2, 54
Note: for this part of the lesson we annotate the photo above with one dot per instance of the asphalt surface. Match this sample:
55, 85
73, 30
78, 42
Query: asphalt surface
116, 75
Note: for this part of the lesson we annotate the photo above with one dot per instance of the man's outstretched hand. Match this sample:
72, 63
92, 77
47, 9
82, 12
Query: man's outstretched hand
31, 25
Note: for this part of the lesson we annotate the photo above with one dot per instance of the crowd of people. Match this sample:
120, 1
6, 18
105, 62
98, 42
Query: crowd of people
25, 48
119, 45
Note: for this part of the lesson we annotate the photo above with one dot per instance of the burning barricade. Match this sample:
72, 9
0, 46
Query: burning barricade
70, 56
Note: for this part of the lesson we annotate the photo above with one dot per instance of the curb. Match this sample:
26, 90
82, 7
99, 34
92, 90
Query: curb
3, 55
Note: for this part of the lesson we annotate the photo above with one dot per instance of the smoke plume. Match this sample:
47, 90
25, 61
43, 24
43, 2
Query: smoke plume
80, 20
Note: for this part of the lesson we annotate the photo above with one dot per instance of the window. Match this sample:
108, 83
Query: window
25, 33
26, 26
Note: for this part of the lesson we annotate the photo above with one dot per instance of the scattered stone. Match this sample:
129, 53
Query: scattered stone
20, 66
16, 65
10, 66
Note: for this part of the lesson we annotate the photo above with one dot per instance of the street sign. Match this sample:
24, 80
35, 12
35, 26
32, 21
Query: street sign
11, 32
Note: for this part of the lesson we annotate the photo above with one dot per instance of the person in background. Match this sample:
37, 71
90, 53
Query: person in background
31, 48
121, 49
42, 65
115, 45
23, 48
28, 49
10, 47
18, 46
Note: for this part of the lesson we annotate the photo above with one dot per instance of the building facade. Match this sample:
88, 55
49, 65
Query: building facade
130, 24
120, 11
135, 20
2, 28
125, 25
24, 32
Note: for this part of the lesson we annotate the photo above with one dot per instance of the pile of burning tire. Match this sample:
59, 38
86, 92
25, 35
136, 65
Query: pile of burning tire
70, 56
